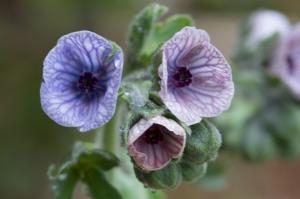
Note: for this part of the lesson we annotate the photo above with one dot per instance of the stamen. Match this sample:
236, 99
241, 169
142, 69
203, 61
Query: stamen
154, 135
87, 82
182, 77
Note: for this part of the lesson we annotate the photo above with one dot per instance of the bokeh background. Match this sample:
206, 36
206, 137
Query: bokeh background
29, 141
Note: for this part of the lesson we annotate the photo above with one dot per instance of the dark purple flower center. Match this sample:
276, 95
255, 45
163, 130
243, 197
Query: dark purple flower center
182, 77
290, 63
154, 135
87, 82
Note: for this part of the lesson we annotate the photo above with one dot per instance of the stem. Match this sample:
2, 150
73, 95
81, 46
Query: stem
107, 136
99, 138
110, 135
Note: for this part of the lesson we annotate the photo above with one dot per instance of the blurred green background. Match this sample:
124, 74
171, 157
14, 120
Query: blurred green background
30, 141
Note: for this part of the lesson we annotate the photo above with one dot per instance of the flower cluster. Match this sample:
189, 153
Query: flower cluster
196, 82
82, 76
263, 123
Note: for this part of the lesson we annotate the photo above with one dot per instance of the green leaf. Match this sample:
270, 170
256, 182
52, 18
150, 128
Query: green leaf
98, 186
164, 31
84, 157
203, 144
140, 29
62, 184
147, 34
83, 160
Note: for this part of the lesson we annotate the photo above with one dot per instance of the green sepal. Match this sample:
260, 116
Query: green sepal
203, 144
155, 64
136, 90
97, 185
115, 48
146, 33
187, 128
192, 172
169, 177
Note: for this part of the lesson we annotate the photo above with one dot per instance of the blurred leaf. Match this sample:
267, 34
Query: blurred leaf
98, 186
257, 143
214, 178
233, 122
62, 184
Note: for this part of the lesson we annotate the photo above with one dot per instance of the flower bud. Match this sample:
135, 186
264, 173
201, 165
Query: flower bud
285, 62
167, 178
203, 144
154, 142
264, 24
192, 172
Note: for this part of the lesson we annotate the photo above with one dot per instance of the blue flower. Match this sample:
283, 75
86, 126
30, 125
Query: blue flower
81, 79
196, 80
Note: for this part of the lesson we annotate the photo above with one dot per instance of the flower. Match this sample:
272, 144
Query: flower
196, 80
264, 24
81, 78
153, 142
285, 61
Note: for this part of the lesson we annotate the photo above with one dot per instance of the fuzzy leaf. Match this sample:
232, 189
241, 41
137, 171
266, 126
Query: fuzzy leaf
140, 29
98, 186
147, 34
84, 157
164, 31
62, 184
83, 160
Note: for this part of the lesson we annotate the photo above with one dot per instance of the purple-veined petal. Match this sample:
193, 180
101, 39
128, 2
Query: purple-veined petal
81, 78
210, 90
106, 106
155, 154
